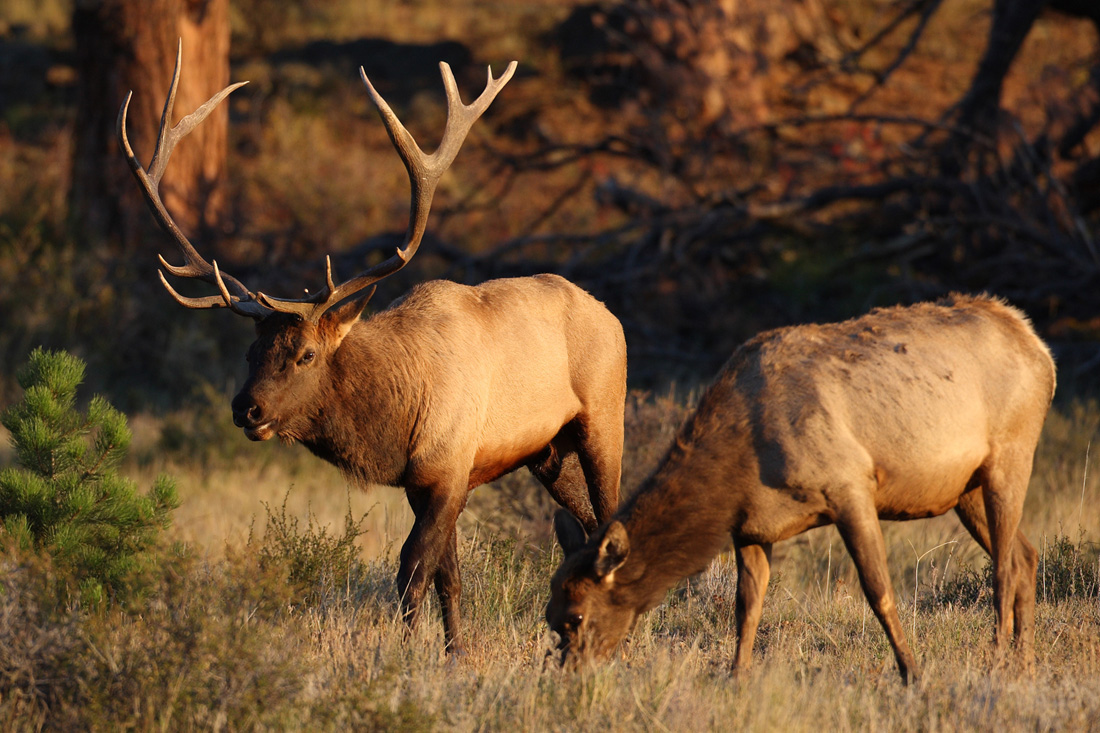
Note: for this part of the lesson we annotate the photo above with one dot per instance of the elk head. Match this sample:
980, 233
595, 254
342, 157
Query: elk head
590, 609
289, 364
297, 338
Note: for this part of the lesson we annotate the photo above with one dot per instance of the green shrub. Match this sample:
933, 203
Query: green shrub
1068, 569
206, 651
65, 497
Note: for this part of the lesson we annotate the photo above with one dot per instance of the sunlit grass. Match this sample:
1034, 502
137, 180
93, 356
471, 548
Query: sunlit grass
213, 646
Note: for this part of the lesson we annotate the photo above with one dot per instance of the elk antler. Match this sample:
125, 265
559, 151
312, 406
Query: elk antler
234, 295
424, 173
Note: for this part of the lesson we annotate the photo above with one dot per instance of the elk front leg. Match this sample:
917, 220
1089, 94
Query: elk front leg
430, 552
861, 531
753, 570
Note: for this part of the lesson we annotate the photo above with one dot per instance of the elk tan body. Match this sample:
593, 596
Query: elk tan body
471, 381
900, 414
449, 388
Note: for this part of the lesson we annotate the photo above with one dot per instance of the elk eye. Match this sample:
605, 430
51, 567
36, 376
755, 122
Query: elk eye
574, 620
307, 357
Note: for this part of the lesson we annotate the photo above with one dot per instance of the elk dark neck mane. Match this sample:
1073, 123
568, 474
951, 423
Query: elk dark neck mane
674, 523
364, 423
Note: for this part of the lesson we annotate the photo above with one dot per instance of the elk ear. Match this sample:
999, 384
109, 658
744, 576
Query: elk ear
614, 547
343, 317
570, 532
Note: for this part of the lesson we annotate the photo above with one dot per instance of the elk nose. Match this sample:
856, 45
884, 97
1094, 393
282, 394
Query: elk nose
246, 413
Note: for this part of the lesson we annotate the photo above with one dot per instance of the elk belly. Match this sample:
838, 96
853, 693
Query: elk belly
493, 467
925, 491
505, 456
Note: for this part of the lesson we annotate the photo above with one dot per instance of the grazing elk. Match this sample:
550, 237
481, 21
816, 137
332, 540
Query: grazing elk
449, 388
901, 414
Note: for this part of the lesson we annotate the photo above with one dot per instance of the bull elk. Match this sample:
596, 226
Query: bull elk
901, 414
447, 389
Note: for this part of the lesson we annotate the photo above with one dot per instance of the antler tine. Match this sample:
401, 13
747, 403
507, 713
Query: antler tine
424, 174
241, 300
426, 170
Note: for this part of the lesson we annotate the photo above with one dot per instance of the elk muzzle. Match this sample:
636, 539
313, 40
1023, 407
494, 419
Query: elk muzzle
574, 654
247, 414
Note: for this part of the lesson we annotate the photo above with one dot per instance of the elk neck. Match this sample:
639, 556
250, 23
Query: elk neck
364, 422
681, 517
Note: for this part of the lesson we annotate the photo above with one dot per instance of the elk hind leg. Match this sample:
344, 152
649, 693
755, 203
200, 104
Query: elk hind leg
992, 517
558, 468
600, 449
971, 512
1014, 559
753, 570
448, 587
1026, 559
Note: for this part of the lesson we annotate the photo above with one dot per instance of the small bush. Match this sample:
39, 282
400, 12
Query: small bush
1067, 570
208, 650
65, 498
42, 642
966, 588
315, 563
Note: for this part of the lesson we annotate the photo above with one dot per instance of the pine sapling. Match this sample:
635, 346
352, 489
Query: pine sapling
64, 496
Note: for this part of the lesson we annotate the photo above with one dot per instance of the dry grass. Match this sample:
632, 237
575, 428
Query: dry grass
225, 642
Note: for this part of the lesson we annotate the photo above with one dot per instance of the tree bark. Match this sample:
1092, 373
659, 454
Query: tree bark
124, 45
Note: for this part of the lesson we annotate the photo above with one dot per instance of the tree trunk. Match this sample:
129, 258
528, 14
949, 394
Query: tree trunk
1012, 21
124, 45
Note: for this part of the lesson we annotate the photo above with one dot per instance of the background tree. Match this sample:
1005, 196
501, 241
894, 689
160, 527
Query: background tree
797, 153
124, 45
1012, 21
